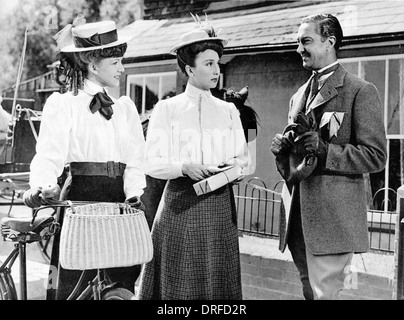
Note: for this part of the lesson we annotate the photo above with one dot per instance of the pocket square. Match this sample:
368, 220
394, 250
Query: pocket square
333, 120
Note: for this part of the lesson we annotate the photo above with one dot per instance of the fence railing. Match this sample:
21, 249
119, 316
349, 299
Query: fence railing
381, 226
258, 208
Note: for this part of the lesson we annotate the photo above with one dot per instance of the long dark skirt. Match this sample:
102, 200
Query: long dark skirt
85, 188
196, 249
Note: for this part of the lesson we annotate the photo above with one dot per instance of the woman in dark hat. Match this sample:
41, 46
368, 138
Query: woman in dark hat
98, 137
195, 238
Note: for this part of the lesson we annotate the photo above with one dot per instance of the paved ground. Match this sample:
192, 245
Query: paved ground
37, 267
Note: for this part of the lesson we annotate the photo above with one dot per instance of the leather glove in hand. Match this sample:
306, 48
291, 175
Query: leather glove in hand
136, 203
32, 198
304, 123
311, 143
281, 144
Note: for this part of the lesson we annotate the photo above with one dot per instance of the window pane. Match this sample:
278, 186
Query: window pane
374, 72
351, 67
136, 92
152, 91
169, 85
395, 101
378, 185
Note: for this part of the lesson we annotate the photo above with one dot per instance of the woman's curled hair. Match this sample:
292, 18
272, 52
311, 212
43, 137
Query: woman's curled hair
73, 68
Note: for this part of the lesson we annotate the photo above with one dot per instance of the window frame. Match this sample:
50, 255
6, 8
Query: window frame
144, 76
384, 99
387, 59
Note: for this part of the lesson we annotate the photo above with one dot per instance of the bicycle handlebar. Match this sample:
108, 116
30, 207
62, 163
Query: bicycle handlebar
52, 203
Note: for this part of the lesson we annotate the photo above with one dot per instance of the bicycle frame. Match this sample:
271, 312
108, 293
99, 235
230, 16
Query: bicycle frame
96, 288
6, 280
5, 268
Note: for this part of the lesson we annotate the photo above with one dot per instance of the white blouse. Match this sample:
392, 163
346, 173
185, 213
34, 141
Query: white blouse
194, 127
70, 132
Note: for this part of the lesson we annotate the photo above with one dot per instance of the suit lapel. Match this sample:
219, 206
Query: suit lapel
328, 90
299, 99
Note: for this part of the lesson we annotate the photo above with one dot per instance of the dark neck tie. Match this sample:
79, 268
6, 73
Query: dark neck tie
314, 81
102, 103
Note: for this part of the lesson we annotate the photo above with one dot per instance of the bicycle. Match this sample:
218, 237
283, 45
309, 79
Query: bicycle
30, 230
12, 188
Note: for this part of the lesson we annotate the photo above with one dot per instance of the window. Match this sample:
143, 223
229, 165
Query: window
147, 89
387, 74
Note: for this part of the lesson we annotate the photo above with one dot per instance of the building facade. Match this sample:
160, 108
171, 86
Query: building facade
261, 53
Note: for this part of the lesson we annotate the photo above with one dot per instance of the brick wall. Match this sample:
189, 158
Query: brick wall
269, 279
268, 274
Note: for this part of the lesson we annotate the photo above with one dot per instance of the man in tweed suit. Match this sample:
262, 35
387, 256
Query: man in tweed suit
325, 216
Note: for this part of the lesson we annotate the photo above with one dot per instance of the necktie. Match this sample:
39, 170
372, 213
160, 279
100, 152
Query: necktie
314, 81
102, 103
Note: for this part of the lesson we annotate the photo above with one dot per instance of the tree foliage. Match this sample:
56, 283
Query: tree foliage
44, 18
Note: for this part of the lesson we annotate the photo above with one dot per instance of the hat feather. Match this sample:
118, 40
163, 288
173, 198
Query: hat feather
64, 37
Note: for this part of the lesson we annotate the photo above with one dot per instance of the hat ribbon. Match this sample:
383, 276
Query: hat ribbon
96, 40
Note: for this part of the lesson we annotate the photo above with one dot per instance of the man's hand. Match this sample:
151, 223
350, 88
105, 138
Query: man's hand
311, 143
32, 197
281, 144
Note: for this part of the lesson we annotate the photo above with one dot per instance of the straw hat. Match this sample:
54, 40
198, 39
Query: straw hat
93, 36
203, 32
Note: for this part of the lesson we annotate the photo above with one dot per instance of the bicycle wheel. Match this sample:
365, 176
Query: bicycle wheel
118, 294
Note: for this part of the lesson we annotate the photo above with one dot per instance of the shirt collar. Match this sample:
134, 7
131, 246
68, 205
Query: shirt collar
329, 66
196, 92
91, 87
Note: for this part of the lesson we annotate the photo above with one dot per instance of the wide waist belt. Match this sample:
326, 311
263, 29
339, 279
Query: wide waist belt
110, 169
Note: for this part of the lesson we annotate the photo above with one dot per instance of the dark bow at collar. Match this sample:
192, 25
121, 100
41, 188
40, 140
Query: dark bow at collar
102, 103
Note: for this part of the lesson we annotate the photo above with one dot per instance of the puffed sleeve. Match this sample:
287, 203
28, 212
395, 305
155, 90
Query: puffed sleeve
134, 178
160, 163
53, 142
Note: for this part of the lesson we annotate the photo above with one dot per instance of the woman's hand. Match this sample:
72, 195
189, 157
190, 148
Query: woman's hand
32, 197
197, 172
51, 191
136, 203
35, 197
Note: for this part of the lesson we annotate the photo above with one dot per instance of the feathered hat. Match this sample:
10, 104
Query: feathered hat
81, 36
203, 32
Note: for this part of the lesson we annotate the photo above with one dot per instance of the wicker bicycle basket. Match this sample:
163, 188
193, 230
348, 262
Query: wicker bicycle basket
104, 235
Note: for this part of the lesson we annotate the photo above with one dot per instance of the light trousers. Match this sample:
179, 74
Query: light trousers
322, 276
329, 274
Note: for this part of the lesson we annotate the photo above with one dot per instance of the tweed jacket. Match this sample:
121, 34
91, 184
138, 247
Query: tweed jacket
332, 199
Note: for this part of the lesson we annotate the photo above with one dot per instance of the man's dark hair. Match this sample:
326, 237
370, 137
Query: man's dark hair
327, 25
187, 54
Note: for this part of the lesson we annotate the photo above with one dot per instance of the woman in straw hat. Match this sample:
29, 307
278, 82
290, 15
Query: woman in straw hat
98, 137
195, 238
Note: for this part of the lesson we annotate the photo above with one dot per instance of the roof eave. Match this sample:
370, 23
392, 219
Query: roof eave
351, 42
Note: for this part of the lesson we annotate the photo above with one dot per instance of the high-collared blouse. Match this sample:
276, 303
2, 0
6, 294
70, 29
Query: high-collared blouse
70, 132
194, 127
